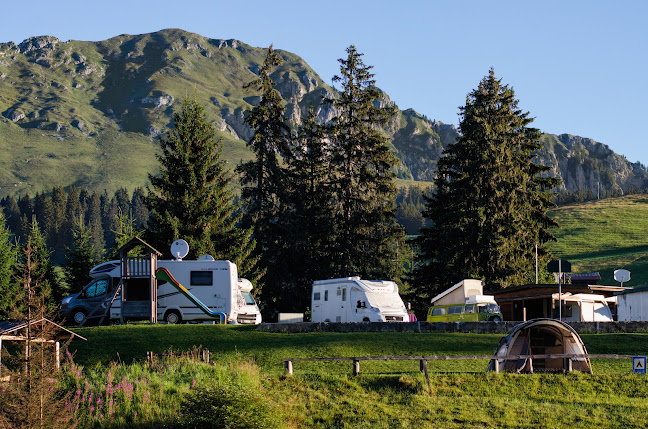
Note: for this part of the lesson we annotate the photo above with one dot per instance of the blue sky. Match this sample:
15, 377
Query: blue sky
578, 67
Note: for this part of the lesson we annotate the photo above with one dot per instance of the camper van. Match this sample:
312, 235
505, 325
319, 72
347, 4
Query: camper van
464, 302
585, 307
477, 308
352, 299
202, 289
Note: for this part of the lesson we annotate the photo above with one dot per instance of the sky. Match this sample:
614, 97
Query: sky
578, 67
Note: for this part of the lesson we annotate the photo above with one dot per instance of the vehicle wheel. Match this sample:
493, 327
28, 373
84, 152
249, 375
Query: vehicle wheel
366, 319
172, 318
327, 321
78, 316
496, 319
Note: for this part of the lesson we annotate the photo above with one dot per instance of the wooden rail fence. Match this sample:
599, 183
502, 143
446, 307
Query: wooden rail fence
288, 362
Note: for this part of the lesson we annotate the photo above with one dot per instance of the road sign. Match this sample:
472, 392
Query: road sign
561, 266
639, 364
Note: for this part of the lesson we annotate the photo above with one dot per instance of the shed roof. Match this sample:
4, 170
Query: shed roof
8, 327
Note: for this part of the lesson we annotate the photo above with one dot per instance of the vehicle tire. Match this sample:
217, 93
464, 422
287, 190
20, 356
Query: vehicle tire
172, 317
366, 319
79, 316
496, 319
327, 321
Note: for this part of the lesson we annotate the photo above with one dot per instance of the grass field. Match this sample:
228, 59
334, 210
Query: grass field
605, 235
386, 394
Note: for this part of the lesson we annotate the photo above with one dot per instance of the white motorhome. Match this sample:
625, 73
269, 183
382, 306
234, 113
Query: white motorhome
207, 287
352, 299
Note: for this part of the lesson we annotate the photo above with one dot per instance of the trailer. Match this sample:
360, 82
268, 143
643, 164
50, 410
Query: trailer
351, 299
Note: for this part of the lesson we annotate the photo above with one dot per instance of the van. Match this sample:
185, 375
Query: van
474, 310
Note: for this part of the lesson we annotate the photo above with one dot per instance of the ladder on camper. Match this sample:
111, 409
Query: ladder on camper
101, 311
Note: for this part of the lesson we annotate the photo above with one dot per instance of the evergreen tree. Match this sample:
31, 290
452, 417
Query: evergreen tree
49, 286
305, 242
94, 222
9, 288
191, 198
139, 210
79, 259
263, 178
368, 237
490, 205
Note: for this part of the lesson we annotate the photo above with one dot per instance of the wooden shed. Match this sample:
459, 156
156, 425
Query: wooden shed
40, 331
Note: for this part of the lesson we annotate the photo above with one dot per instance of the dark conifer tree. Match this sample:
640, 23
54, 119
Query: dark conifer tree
79, 259
490, 205
368, 237
139, 210
306, 239
49, 287
93, 220
9, 287
263, 178
191, 198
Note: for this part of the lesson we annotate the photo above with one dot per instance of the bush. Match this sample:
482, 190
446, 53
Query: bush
233, 401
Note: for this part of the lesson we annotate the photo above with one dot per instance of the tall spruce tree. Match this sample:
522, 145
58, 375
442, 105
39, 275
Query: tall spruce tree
49, 287
263, 178
79, 259
489, 208
10, 291
192, 197
306, 238
368, 239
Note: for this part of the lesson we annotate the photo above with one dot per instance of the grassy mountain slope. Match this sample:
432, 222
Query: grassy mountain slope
605, 235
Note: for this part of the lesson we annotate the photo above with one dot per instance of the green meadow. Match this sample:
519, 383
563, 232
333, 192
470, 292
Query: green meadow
603, 236
246, 379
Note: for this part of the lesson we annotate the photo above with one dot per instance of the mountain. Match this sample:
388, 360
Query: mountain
87, 113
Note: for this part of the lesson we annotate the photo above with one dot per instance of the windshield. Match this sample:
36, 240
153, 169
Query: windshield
488, 308
249, 299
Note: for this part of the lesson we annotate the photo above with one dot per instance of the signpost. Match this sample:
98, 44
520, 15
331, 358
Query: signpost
639, 365
560, 266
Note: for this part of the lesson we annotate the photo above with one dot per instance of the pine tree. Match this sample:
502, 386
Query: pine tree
368, 237
263, 179
79, 259
49, 287
9, 289
192, 197
490, 205
305, 242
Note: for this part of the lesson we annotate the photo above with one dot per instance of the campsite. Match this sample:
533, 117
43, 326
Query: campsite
386, 394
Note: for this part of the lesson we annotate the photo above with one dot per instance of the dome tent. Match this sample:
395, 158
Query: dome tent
540, 337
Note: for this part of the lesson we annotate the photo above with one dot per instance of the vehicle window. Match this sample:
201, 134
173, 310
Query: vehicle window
455, 310
316, 296
325, 295
202, 278
440, 311
97, 288
488, 308
344, 294
469, 308
249, 299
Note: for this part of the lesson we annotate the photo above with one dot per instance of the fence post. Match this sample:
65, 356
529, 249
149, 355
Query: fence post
567, 365
496, 366
289, 367
356, 367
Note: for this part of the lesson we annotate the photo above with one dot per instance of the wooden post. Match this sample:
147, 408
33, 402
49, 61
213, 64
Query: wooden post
422, 364
427, 376
567, 364
496, 365
58, 355
0, 355
153, 286
289, 367
356, 367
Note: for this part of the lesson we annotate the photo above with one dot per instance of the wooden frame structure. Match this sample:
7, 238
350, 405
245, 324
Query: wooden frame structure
15, 332
138, 267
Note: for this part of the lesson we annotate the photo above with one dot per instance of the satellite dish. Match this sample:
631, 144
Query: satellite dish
621, 276
179, 249
206, 258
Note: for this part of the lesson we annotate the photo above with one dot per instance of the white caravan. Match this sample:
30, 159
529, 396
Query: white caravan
585, 307
351, 299
203, 290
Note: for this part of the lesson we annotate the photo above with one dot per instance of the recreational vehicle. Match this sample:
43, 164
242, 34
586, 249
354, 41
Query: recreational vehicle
187, 291
352, 299
464, 302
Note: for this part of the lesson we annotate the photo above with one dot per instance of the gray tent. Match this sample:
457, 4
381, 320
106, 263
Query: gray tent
539, 337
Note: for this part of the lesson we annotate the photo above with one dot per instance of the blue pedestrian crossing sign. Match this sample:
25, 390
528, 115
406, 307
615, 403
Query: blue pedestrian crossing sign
639, 364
